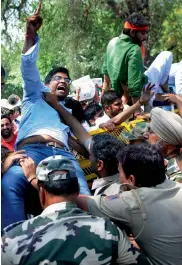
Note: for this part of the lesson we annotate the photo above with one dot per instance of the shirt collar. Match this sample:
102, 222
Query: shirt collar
61, 206
126, 38
100, 182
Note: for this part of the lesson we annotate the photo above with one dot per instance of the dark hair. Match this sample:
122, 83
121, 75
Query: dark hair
60, 187
135, 19
109, 97
9, 112
91, 110
3, 73
105, 148
145, 162
54, 71
5, 116
17, 109
77, 110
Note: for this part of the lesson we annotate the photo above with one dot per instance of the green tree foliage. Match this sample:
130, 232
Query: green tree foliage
75, 34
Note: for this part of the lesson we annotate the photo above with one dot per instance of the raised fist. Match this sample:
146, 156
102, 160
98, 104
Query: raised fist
34, 22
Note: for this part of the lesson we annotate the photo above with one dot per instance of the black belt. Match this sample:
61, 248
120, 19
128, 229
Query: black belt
56, 145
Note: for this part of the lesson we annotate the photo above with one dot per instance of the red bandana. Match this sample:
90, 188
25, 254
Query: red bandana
127, 25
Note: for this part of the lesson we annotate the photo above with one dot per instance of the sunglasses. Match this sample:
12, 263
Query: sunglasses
59, 78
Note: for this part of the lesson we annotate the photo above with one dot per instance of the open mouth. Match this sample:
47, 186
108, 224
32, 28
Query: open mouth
61, 88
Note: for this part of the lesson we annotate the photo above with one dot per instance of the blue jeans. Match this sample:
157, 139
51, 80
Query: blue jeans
16, 189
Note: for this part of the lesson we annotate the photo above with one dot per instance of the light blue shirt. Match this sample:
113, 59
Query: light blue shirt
38, 117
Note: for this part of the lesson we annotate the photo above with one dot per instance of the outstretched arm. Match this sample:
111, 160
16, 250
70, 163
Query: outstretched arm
123, 116
175, 99
33, 86
77, 129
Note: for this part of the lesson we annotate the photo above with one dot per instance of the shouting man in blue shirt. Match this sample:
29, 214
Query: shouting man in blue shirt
41, 132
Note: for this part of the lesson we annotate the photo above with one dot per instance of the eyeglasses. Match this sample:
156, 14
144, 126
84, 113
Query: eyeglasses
59, 78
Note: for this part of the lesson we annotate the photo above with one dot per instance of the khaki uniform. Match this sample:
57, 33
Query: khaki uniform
64, 234
108, 185
154, 216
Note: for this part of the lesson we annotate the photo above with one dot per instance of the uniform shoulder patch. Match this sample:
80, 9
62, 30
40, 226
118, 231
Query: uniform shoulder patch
112, 197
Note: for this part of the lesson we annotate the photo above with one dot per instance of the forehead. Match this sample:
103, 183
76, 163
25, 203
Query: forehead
4, 121
61, 74
117, 101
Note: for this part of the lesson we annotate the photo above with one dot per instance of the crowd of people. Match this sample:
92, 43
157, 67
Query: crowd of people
132, 213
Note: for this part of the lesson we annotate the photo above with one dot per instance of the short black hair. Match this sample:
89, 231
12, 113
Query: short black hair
5, 116
3, 73
76, 107
135, 19
54, 71
145, 162
60, 187
109, 97
9, 112
91, 110
105, 148
17, 109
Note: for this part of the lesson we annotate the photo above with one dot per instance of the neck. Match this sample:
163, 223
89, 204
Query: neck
9, 139
103, 174
171, 151
58, 199
109, 115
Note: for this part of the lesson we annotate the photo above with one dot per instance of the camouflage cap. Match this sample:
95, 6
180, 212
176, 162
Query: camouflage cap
137, 132
55, 163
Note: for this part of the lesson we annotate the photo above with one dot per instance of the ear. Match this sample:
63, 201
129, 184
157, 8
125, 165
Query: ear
132, 33
92, 122
132, 180
100, 165
42, 197
107, 108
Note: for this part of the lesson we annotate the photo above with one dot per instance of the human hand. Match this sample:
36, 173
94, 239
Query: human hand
147, 94
109, 125
28, 167
170, 97
78, 89
34, 22
14, 157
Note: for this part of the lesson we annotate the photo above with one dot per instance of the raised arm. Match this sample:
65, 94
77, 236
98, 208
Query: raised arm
123, 116
32, 83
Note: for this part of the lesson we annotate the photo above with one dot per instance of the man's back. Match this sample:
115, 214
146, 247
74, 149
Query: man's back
123, 64
64, 234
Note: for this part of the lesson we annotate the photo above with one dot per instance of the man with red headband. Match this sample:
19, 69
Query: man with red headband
123, 65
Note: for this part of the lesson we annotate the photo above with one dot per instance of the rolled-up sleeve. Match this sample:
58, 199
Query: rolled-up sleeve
32, 85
